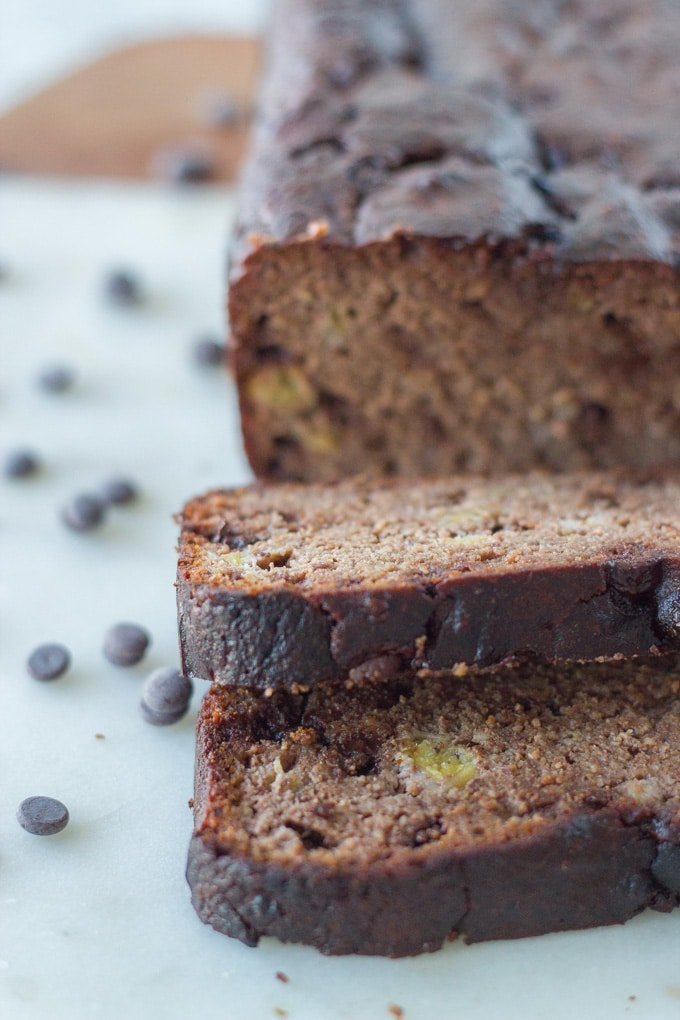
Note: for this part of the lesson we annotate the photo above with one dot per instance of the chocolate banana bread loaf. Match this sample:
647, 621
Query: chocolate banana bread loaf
282, 584
459, 239
386, 819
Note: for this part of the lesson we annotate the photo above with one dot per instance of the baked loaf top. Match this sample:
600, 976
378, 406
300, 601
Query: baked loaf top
363, 534
551, 123
318, 797
290, 583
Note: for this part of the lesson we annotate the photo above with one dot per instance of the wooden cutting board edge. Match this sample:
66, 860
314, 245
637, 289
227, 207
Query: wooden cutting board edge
111, 118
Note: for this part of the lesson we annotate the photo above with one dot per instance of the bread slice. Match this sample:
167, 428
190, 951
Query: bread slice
386, 819
291, 583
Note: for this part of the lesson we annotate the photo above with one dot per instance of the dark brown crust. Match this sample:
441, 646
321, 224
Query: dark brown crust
272, 640
596, 869
359, 98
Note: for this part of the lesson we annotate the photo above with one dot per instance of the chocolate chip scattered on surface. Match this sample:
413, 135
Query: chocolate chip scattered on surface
42, 816
183, 166
125, 644
123, 287
48, 661
165, 696
83, 512
56, 378
208, 352
119, 491
20, 464
160, 718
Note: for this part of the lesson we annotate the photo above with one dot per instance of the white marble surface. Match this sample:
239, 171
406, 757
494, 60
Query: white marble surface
96, 922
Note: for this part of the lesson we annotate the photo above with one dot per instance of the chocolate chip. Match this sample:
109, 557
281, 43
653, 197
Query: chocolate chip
552, 199
119, 491
122, 287
42, 816
208, 352
668, 607
552, 156
663, 181
311, 839
56, 378
83, 512
271, 352
595, 413
183, 166
638, 581
125, 644
543, 233
161, 718
166, 690
20, 464
666, 866
47, 662
165, 696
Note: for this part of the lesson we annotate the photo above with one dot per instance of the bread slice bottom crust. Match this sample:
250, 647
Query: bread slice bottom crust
386, 819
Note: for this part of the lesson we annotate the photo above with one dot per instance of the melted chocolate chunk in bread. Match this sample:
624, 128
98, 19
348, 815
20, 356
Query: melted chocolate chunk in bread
460, 238
283, 584
385, 819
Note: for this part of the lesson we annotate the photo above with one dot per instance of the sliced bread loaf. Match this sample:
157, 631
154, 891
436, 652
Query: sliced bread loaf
358, 580
385, 819
458, 245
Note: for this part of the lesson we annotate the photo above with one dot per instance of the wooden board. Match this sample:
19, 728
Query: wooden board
110, 118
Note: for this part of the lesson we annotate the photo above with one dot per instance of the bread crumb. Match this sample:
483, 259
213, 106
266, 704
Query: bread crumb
317, 229
99, 736
395, 1010
256, 239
